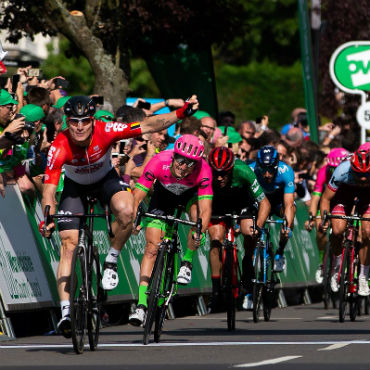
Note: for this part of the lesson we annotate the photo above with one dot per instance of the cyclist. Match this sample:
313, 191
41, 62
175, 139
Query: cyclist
183, 178
333, 159
277, 181
350, 180
84, 151
236, 190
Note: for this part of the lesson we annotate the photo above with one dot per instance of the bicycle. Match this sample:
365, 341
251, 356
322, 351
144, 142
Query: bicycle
265, 277
86, 294
162, 283
231, 271
326, 268
349, 266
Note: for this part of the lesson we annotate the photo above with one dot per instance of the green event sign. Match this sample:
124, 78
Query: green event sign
350, 66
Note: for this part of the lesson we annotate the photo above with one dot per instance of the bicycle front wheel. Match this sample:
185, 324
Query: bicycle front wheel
326, 295
258, 284
78, 300
268, 290
227, 277
154, 293
343, 287
96, 295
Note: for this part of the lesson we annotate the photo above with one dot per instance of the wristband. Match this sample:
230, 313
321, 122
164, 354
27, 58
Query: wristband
185, 111
166, 102
330, 136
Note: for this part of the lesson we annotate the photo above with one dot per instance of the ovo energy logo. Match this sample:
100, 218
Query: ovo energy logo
350, 66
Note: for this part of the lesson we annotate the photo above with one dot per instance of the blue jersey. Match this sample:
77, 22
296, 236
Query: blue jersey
343, 175
282, 184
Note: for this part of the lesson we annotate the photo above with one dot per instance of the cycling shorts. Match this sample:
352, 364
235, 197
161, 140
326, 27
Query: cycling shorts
164, 202
251, 210
73, 198
344, 198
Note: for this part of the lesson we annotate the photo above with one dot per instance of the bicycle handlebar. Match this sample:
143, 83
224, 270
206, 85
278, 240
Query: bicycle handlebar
347, 218
48, 217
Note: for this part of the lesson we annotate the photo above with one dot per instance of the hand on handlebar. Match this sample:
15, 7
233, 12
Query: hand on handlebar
309, 224
198, 242
286, 232
46, 230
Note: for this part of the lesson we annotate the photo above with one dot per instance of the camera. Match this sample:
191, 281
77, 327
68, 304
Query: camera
143, 105
98, 100
29, 126
15, 80
60, 83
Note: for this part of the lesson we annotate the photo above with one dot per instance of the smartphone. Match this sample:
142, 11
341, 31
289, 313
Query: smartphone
258, 119
34, 72
122, 144
15, 80
98, 100
3, 81
143, 105
60, 83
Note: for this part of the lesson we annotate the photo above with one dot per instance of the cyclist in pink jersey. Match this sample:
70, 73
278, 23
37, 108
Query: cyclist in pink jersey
181, 177
333, 159
84, 150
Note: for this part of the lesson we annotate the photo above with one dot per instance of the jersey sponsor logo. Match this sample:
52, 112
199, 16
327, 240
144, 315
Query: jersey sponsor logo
149, 176
134, 126
177, 189
115, 126
52, 156
204, 182
96, 148
255, 186
283, 168
89, 169
290, 183
166, 167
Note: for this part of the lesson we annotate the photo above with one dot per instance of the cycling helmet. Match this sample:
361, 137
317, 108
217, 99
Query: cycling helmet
336, 156
360, 161
268, 159
79, 106
364, 146
189, 146
221, 159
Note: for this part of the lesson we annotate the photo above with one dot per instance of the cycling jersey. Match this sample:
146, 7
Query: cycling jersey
242, 191
87, 165
159, 168
282, 184
343, 175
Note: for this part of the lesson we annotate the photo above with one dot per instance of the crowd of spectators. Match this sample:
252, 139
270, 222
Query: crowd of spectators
32, 116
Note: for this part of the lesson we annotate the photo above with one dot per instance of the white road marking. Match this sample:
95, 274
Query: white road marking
269, 362
240, 319
327, 317
189, 344
334, 346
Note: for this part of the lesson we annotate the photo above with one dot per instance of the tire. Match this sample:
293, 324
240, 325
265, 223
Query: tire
354, 308
166, 289
78, 301
366, 305
343, 287
326, 295
268, 291
95, 303
257, 286
154, 292
227, 285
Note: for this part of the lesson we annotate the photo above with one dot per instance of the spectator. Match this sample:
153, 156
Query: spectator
247, 129
39, 96
226, 118
294, 137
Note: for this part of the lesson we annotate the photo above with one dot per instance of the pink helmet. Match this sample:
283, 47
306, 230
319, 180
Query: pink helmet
189, 146
336, 156
364, 146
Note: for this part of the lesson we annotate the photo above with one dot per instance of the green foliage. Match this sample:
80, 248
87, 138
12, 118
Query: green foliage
141, 82
258, 89
74, 67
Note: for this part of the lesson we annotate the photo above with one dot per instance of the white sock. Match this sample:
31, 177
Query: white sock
364, 271
112, 255
337, 262
64, 305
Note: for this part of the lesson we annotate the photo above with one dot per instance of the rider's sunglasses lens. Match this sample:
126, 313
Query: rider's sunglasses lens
182, 160
75, 121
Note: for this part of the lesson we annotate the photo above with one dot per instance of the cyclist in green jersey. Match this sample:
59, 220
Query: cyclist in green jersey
236, 190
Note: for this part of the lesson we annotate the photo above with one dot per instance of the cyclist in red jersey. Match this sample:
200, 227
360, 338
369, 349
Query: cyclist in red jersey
84, 149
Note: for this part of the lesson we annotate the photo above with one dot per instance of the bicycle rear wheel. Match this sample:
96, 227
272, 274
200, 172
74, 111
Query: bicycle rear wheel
326, 295
257, 286
96, 295
166, 289
78, 300
343, 287
154, 293
227, 277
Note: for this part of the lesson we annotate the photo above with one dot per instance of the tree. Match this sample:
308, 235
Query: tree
107, 32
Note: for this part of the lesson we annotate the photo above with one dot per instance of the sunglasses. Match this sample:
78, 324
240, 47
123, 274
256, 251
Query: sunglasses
75, 121
182, 160
270, 170
220, 173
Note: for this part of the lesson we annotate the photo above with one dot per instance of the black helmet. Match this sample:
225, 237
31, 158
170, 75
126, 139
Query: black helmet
268, 159
79, 106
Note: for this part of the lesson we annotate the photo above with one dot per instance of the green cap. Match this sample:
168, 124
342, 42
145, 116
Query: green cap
234, 136
32, 112
200, 114
61, 101
6, 98
64, 126
104, 115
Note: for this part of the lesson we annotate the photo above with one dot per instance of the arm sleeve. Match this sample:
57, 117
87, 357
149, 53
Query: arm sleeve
205, 190
57, 156
118, 130
150, 173
289, 181
320, 181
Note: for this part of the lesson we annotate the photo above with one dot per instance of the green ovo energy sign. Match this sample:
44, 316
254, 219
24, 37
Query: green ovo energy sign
350, 71
350, 66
